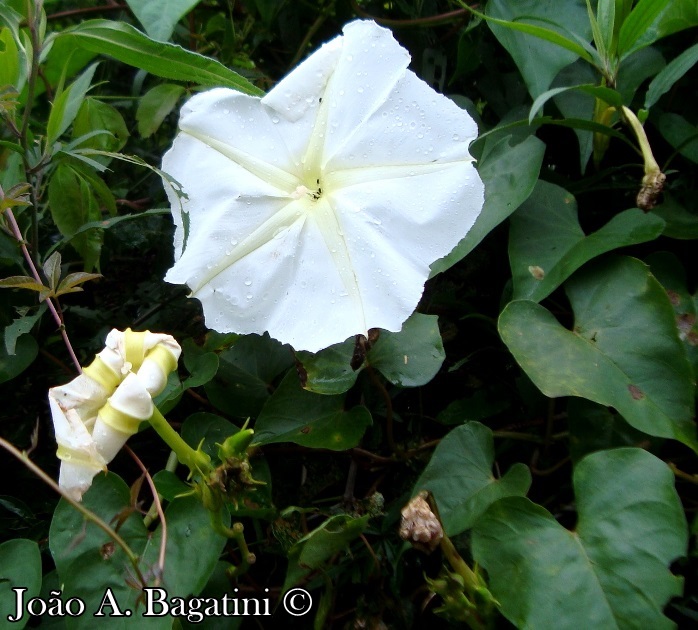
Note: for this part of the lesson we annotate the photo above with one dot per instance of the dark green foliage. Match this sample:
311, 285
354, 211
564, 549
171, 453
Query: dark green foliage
543, 393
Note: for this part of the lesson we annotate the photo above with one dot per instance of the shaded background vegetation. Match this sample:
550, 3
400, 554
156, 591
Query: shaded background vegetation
374, 578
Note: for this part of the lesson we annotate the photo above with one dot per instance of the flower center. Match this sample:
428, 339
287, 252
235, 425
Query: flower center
302, 191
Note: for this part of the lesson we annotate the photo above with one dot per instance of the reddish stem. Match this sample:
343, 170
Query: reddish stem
160, 511
49, 302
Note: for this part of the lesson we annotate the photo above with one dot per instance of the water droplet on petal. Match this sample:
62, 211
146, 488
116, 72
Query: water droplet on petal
248, 296
275, 119
248, 282
456, 137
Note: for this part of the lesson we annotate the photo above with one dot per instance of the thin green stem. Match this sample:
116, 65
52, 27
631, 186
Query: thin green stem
88, 514
680, 474
651, 165
196, 461
237, 533
471, 582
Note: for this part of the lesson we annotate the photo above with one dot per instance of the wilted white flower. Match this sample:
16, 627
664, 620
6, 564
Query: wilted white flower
100, 409
419, 525
315, 212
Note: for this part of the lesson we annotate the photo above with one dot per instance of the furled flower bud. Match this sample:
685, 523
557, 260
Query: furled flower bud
99, 410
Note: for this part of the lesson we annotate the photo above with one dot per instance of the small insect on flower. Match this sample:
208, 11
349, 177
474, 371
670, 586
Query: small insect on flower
100, 409
315, 212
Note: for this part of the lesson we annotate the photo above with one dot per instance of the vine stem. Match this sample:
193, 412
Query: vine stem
161, 514
86, 10
34, 11
88, 514
680, 474
196, 461
432, 20
389, 434
314, 27
35, 273
236, 533
472, 584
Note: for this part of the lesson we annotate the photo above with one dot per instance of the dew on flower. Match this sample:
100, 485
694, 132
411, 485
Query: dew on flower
279, 163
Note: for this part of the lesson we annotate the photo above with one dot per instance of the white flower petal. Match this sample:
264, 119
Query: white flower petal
372, 62
76, 479
319, 217
80, 459
119, 419
97, 411
298, 93
394, 238
285, 303
83, 394
413, 127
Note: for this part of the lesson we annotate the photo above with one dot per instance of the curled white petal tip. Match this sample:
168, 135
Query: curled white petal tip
100, 409
316, 211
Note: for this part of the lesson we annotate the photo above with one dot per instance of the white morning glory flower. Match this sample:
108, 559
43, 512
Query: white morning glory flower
315, 212
100, 409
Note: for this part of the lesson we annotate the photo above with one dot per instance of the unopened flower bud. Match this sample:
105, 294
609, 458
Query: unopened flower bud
100, 409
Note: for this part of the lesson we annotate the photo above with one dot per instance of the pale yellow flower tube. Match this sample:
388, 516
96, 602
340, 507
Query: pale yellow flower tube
99, 410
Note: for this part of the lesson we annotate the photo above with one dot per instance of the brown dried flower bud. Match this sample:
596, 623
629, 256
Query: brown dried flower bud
420, 526
652, 186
